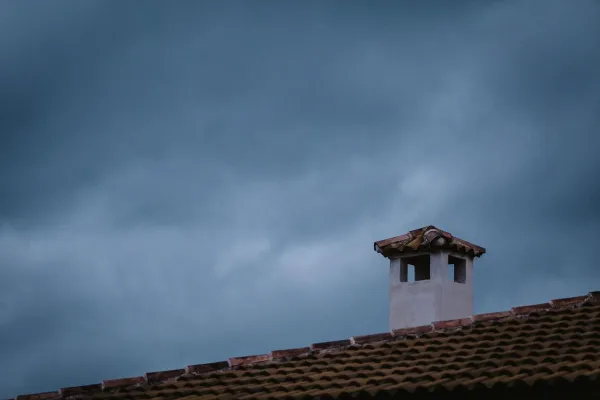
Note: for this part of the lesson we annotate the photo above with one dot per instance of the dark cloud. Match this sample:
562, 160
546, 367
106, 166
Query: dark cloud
186, 183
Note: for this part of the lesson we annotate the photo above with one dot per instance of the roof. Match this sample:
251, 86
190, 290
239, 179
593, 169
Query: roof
426, 238
543, 346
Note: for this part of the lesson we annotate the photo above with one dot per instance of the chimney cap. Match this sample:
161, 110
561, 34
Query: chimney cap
424, 239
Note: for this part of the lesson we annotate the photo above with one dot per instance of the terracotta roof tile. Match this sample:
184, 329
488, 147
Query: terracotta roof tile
541, 346
328, 345
278, 354
491, 316
246, 360
207, 367
417, 330
152, 377
117, 383
76, 390
454, 323
568, 301
39, 396
531, 308
376, 337
428, 237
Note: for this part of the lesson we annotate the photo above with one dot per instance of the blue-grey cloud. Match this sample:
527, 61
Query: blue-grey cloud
186, 183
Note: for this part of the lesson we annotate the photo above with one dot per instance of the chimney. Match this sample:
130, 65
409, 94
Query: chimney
431, 276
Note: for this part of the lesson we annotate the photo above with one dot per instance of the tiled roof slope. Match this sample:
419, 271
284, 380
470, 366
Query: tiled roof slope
539, 346
426, 238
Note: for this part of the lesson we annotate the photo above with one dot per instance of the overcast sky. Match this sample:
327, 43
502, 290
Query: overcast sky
183, 182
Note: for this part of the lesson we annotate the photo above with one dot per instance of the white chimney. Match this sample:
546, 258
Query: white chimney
431, 276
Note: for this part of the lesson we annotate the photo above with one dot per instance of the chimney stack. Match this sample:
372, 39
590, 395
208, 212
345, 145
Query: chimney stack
431, 276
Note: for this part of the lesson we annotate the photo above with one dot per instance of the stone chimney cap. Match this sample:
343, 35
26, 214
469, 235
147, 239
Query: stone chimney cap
424, 239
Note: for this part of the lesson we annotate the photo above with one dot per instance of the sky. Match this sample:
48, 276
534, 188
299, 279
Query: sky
184, 182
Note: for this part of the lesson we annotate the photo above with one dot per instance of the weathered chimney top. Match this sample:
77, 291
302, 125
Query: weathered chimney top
426, 239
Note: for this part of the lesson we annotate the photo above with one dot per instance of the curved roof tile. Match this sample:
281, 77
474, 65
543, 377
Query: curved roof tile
423, 239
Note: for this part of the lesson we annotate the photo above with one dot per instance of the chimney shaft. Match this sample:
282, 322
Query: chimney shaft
431, 276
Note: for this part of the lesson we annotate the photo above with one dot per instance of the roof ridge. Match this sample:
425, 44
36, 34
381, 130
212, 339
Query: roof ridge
233, 363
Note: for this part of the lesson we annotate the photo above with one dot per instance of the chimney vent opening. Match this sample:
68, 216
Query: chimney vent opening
414, 269
457, 269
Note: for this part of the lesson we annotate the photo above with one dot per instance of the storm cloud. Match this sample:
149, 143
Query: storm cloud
186, 182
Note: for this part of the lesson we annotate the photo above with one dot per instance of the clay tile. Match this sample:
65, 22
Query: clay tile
568, 301
207, 367
390, 241
237, 361
529, 309
328, 345
594, 296
158, 376
275, 354
413, 331
73, 390
38, 396
376, 337
117, 383
453, 323
491, 316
